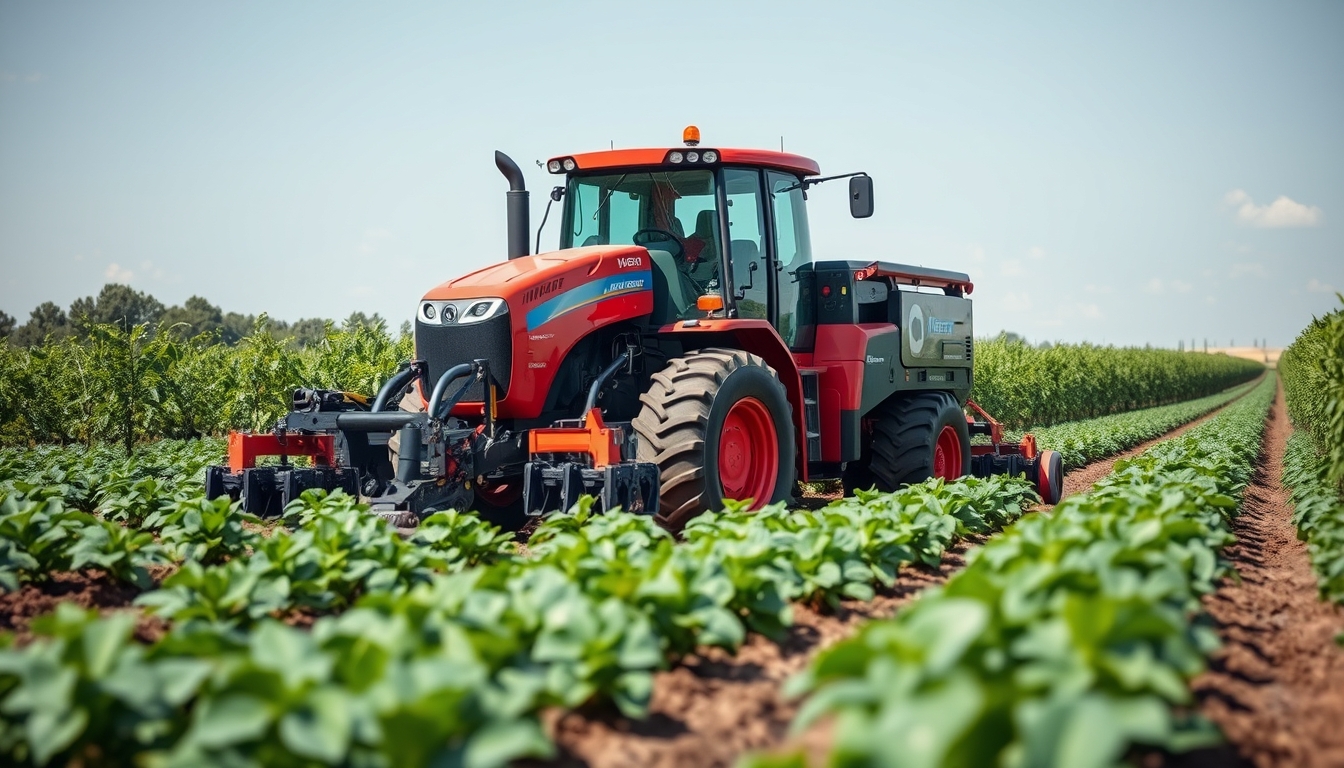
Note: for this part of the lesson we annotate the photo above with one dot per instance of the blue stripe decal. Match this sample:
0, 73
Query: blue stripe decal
588, 293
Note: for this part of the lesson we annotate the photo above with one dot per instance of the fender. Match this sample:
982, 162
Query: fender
759, 338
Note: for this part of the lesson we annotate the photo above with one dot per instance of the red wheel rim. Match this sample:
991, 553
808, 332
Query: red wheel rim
947, 455
500, 495
749, 453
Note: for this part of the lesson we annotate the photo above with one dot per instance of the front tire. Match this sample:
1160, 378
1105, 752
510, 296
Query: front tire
913, 438
718, 424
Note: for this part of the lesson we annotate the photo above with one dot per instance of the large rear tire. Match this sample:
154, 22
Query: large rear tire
913, 438
718, 424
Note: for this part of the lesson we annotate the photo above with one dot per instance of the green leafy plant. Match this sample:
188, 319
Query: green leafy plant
1067, 639
1313, 386
1031, 386
1318, 513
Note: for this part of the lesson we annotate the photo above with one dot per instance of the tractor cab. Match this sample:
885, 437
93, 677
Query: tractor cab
719, 224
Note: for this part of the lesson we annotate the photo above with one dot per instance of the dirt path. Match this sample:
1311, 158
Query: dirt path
1277, 686
713, 708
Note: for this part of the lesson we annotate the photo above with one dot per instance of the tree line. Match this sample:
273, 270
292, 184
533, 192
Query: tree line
128, 383
124, 307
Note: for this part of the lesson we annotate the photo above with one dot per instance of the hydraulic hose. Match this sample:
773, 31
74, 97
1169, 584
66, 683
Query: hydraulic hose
399, 380
602, 378
456, 372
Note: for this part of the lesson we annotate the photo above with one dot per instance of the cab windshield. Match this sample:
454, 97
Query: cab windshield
671, 213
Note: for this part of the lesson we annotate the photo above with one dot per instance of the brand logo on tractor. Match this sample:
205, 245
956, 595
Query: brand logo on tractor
941, 326
627, 285
915, 328
872, 360
545, 289
629, 261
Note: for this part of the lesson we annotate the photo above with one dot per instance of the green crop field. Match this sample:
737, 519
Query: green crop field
325, 637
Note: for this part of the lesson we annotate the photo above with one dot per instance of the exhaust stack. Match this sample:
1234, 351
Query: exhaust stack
518, 225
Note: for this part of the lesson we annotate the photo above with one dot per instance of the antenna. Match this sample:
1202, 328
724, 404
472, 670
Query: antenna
613, 143
781, 143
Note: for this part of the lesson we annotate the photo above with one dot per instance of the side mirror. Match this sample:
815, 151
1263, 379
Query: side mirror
861, 196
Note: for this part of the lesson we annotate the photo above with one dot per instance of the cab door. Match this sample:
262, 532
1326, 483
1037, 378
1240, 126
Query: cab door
747, 243
791, 253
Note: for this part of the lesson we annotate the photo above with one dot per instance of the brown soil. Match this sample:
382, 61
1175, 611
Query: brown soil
1277, 686
86, 589
713, 708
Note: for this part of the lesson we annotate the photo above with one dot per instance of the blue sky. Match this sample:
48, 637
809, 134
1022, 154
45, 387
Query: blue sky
1125, 173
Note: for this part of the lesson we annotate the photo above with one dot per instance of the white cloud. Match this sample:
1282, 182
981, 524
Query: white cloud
1316, 286
1036, 253
1252, 269
1098, 289
1154, 286
1090, 311
1283, 212
148, 268
117, 274
1210, 300
1180, 286
1011, 267
977, 254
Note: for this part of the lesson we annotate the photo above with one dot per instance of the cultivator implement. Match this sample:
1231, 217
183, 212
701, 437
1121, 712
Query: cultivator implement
440, 462
1045, 468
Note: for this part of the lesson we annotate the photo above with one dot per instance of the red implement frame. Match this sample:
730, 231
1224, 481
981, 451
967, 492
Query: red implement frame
601, 444
1026, 448
244, 448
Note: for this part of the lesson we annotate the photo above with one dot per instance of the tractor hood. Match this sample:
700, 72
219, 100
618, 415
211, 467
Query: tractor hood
549, 285
550, 302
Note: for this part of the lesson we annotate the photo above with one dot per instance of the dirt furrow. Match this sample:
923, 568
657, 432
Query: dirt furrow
712, 708
1276, 688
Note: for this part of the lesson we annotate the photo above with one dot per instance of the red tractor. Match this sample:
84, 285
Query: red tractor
682, 347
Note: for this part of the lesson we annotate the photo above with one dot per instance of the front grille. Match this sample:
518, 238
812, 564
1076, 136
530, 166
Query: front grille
443, 346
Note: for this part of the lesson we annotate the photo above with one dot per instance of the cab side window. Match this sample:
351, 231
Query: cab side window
746, 236
793, 248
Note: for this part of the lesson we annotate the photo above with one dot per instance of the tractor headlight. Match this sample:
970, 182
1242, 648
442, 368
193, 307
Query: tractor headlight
710, 156
461, 311
553, 166
675, 157
438, 312
692, 157
480, 310
570, 164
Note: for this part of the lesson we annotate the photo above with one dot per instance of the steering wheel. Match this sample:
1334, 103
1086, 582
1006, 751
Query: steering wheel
645, 237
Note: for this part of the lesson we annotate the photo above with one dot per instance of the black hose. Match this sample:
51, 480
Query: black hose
602, 378
456, 372
398, 381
